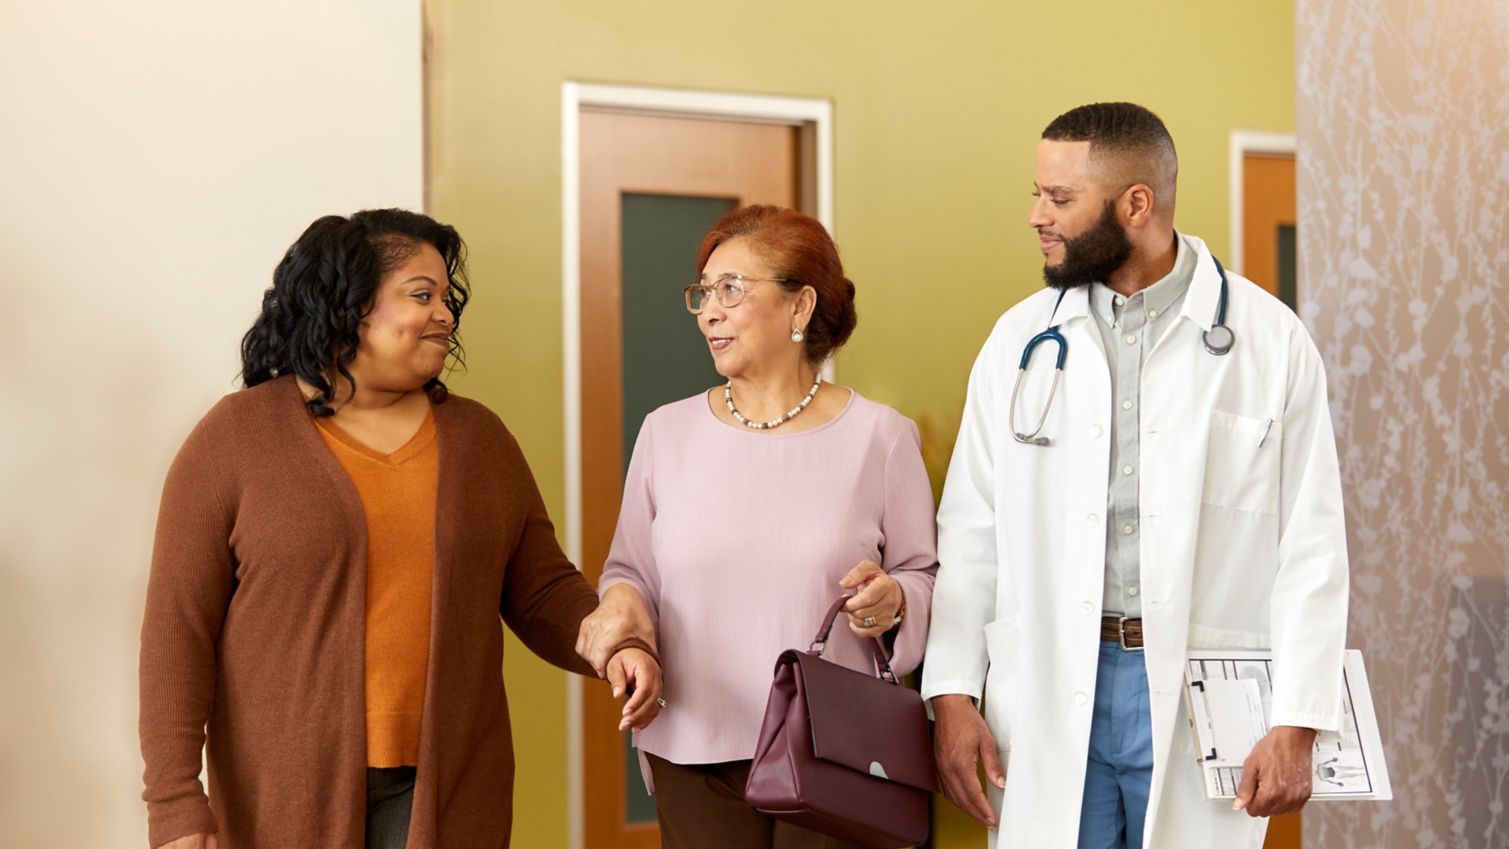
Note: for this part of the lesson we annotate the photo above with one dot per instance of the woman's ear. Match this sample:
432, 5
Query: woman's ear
806, 302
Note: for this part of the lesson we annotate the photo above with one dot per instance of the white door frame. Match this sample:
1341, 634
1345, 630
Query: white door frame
1244, 142
816, 114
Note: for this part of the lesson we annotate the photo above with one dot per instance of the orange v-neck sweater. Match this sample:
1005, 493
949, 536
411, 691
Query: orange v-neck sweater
253, 640
398, 497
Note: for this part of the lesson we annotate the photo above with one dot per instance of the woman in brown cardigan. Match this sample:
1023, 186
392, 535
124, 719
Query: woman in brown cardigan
335, 546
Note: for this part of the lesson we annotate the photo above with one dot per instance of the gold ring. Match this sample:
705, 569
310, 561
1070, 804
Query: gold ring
870, 622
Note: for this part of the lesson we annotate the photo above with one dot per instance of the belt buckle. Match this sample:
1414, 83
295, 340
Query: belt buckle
1121, 634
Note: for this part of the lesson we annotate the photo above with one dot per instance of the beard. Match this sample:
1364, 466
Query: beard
1093, 255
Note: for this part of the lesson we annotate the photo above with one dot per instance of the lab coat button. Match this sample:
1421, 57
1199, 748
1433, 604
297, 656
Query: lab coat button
1087, 607
1080, 698
1095, 431
1093, 518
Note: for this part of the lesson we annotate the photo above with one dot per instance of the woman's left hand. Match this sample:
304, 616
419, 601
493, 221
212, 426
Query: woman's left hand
879, 598
635, 672
620, 615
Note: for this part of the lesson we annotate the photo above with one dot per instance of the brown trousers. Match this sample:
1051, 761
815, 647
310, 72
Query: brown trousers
701, 806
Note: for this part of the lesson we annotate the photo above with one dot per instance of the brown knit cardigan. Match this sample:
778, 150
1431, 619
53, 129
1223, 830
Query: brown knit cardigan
254, 632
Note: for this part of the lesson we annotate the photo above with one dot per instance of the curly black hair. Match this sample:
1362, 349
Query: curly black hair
325, 285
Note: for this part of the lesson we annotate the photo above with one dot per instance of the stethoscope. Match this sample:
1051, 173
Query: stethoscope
1218, 341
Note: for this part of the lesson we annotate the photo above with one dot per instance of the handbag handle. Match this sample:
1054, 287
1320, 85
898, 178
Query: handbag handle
820, 642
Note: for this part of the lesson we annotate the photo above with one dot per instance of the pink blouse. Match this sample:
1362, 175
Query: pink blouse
737, 540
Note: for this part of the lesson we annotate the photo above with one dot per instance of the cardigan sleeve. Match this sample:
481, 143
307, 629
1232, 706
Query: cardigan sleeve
188, 592
544, 598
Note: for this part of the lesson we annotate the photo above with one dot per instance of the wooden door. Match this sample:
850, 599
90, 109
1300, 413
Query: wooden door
1268, 257
651, 187
1268, 220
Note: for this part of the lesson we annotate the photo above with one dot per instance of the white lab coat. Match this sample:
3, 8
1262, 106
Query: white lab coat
1242, 546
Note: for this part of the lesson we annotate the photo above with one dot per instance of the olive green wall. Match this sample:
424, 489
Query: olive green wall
937, 108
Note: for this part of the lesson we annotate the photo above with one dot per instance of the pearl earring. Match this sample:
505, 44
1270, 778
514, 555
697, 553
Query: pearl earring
796, 335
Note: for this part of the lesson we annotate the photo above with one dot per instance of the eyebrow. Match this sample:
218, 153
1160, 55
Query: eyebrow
425, 277
1065, 189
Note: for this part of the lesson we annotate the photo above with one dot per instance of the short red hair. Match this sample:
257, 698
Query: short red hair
797, 248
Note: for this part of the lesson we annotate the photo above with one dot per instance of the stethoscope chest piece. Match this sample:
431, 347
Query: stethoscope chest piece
1218, 340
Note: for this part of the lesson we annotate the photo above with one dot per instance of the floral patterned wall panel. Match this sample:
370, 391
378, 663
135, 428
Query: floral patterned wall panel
1403, 119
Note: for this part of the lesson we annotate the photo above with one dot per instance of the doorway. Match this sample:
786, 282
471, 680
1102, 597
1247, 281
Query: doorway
653, 171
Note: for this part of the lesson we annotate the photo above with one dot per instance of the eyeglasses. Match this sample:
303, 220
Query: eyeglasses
729, 289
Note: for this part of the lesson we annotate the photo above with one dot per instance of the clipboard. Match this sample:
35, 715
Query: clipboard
1228, 699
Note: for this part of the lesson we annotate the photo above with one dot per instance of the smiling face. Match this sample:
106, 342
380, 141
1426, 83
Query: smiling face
755, 335
1079, 231
406, 336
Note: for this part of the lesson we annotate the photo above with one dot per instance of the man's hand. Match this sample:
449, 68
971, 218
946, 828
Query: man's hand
1276, 775
961, 742
620, 615
193, 841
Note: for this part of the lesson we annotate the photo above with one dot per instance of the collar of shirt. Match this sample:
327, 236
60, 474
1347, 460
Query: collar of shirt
1160, 296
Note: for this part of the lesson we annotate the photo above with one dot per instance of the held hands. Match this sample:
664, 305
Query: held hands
874, 609
193, 841
1276, 775
635, 672
961, 742
620, 615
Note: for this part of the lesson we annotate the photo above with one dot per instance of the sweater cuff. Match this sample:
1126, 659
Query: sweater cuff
167, 822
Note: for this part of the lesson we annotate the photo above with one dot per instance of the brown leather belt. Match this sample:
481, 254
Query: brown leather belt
1119, 629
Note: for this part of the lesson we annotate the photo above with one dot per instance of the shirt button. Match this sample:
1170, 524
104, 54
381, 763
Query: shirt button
1131, 339
1080, 698
1126, 470
1126, 529
1127, 404
1152, 313
1132, 590
1120, 301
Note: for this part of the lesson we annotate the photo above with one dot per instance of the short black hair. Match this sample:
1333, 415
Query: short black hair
1123, 126
1116, 129
325, 285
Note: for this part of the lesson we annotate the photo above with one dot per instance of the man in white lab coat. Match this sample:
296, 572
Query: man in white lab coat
1180, 486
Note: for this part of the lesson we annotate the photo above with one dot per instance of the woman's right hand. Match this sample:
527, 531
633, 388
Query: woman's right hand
193, 841
636, 673
620, 615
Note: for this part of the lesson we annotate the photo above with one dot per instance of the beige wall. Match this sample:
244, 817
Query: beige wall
937, 110
1403, 112
157, 159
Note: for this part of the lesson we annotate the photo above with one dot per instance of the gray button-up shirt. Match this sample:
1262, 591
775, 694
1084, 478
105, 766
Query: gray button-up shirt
1130, 327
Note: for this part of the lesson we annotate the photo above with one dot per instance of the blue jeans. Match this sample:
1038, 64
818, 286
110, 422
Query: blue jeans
1120, 767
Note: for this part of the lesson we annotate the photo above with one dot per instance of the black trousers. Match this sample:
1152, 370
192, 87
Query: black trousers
390, 800
702, 805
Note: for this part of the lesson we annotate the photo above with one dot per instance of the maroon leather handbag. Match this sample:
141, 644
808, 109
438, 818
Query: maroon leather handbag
844, 753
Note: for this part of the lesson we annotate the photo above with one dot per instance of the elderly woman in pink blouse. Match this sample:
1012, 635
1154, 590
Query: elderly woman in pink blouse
747, 510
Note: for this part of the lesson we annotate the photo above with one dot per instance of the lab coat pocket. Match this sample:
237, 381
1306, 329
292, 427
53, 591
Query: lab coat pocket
1242, 463
1001, 680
